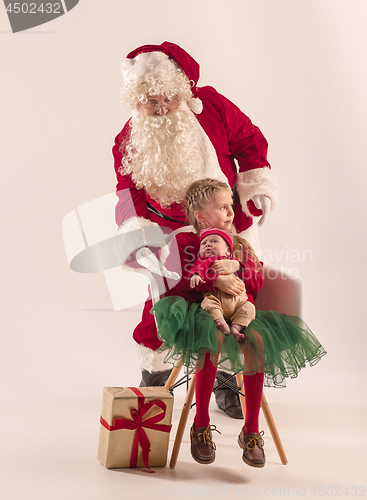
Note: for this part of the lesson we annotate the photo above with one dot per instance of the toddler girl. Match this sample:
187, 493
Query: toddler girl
275, 345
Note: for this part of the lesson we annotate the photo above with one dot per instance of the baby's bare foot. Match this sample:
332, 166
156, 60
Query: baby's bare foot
236, 332
222, 326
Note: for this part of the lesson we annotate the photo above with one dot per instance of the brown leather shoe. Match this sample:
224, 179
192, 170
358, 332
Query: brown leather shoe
202, 445
253, 448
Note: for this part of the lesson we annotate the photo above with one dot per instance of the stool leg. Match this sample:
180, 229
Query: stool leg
273, 430
239, 382
174, 374
182, 422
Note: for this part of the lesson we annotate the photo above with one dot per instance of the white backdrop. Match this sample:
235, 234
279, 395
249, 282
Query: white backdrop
298, 69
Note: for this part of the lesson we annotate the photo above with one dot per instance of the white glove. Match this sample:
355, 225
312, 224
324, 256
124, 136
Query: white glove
262, 202
148, 260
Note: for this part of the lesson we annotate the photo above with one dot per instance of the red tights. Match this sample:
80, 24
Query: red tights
205, 378
204, 382
253, 386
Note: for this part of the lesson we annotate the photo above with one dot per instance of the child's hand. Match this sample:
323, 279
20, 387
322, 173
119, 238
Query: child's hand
225, 266
195, 281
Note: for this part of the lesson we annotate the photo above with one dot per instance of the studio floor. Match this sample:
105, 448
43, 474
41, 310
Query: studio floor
49, 452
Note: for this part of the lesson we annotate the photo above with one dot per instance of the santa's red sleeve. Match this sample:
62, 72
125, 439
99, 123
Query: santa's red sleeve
249, 147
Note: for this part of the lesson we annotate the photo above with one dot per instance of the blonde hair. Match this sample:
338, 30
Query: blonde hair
198, 196
242, 251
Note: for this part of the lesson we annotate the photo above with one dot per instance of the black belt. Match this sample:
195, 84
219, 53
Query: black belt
164, 216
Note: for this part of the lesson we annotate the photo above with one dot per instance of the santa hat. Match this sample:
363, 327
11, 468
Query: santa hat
227, 235
151, 68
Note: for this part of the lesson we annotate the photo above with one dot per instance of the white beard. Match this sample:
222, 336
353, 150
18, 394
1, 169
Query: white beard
165, 155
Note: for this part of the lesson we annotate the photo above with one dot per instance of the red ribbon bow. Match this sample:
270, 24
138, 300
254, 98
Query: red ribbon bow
138, 423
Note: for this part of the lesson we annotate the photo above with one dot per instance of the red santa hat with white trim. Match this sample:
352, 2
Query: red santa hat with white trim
161, 69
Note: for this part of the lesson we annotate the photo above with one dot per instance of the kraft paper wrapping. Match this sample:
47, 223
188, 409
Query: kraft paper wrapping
115, 447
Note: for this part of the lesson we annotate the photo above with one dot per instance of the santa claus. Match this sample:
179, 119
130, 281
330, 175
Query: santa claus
179, 133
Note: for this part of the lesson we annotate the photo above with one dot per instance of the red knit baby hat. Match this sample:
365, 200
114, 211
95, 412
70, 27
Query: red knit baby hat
227, 235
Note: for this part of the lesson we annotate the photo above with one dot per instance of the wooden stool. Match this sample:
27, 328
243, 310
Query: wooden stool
187, 405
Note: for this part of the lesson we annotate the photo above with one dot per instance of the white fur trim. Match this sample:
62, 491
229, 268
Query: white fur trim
195, 105
256, 181
152, 361
185, 229
143, 65
139, 233
126, 69
134, 223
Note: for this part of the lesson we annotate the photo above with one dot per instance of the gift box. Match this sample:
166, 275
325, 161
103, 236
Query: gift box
135, 427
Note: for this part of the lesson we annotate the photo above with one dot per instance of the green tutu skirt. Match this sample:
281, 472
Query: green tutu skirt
275, 344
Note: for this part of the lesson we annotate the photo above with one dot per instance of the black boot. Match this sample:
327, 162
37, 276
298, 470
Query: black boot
227, 399
156, 379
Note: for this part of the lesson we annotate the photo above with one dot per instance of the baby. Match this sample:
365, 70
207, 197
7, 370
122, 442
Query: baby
218, 244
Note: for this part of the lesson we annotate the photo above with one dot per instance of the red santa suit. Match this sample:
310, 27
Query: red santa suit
232, 136
229, 136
